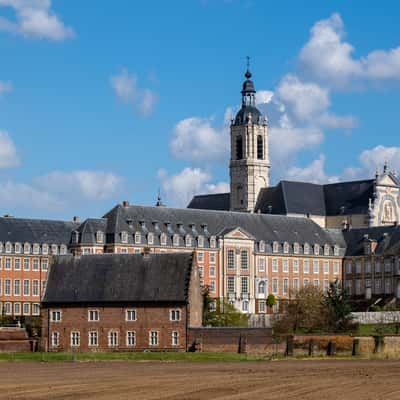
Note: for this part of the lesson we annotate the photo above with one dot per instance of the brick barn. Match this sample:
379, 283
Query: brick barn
121, 302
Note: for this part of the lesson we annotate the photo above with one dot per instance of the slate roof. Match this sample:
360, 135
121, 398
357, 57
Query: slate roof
219, 202
88, 229
21, 230
388, 238
170, 221
118, 278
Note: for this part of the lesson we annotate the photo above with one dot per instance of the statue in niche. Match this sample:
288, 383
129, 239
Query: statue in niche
388, 212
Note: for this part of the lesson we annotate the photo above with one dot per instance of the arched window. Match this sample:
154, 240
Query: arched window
163, 239
261, 287
260, 148
239, 148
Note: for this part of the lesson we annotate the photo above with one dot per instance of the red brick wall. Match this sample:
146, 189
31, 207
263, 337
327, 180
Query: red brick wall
149, 318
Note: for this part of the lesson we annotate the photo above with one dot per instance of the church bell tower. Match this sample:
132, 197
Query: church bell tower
249, 165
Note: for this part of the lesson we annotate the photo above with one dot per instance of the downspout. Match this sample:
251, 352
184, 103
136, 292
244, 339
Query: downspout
48, 330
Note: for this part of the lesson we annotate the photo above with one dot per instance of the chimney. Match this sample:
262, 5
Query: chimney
125, 203
76, 219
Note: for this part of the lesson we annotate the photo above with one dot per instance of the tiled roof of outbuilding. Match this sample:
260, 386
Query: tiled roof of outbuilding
119, 278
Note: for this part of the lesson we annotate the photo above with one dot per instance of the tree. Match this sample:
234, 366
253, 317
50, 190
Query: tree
221, 313
271, 300
306, 312
339, 307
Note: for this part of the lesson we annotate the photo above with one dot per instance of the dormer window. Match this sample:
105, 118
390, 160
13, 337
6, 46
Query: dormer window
27, 248
306, 248
163, 239
45, 248
63, 250
316, 249
36, 248
286, 247
150, 238
275, 247
336, 250
18, 248
1, 247
200, 241
296, 248
8, 247
138, 238
213, 242
188, 241
76, 237
99, 237
124, 237
261, 246
176, 240
54, 249
326, 250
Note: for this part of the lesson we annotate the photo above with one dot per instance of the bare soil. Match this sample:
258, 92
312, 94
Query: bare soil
292, 379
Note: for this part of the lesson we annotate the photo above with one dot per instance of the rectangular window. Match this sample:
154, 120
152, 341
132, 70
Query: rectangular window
35, 287
261, 306
7, 309
231, 259
212, 272
130, 315
368, 267
1, 288
153, 338
316, 267
26, 287
35, 266
7, 287
231, 284
17, 264
261, 264
75, 338
93, 315
17, 287
388, 266
306, 282
8, 264
285, 266
326, 285
45, 264
113, 339
212, 257
200, 256
316, 283
27, 308
348, 267
93, 338
55, 339
388, 286
306, 267
295, 266
175, 338
275, 285
201, 272
244, 259
130, 338
377, 266
295, 284
212, 286
378, 286
336, 268
244, 284
275, 265
326, 267
358, 267
285, 285
26, 264
55, 315
17, 308
35, 309
175, 315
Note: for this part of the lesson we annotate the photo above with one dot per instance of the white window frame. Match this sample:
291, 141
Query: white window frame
93, 335
129, 313
175, 338
55, 339
154, 339
55, 316
175, 315
113, 338
75, 338
93, 315
130, 338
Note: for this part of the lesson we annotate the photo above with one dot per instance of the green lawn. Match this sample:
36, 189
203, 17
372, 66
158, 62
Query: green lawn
131, 356
375, 329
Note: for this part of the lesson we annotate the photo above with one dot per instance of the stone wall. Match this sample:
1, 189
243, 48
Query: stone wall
381, 317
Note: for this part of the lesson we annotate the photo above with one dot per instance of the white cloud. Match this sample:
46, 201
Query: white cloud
373, 159
195, 139
35, 19
5, 87
86, 184
127, 90
8, 152
314, 172
328, 58
180, 188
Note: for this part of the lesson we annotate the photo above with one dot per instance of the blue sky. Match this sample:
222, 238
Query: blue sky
105, 103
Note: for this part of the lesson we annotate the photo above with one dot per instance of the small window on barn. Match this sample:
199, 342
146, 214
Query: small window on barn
130, 315
175, 315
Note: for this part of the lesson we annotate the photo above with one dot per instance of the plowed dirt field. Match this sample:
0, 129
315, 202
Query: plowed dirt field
307, 379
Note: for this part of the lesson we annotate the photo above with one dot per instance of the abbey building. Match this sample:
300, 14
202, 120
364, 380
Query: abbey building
359, 204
